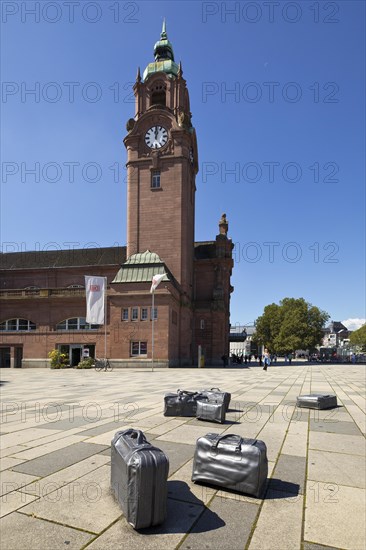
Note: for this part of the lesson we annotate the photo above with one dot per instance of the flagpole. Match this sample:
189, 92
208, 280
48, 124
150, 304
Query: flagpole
105, 319
152, 331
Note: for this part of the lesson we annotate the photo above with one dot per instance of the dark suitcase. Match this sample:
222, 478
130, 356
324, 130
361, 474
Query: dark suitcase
182, 403
216, 393
211, 410
317, 401
232, 462
139, 473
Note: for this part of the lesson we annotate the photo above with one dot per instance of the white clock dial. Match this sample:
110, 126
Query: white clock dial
156, 137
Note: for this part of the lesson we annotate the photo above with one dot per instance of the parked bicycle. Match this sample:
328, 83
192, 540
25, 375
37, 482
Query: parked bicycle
102, 364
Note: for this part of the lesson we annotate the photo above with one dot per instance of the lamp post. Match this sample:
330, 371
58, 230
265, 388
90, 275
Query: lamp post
156, 280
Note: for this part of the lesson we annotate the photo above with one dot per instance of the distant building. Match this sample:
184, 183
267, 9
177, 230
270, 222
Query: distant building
335, 334
241, 340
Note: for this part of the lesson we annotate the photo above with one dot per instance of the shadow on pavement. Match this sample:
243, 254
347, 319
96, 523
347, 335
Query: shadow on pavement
180, 501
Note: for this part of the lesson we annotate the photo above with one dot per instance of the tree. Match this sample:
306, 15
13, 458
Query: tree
358, 337
293, 324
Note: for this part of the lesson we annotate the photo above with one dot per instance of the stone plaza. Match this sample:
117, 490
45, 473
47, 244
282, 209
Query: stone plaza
57, 426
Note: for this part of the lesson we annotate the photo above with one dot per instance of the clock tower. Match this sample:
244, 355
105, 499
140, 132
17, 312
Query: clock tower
162, 164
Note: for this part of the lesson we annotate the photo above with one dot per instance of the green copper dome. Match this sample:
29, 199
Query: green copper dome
164, 57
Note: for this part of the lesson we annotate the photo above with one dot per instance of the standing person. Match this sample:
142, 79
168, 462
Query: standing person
290, 358
267, 360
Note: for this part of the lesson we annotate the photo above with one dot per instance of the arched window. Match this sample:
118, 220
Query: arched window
158, 94
12, 325
76, 323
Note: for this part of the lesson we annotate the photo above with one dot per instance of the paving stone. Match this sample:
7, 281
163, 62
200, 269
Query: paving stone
71, 422
343, 469
20, 531
178, 453
23, 437
290, 469
189, 434
8, 462
42, 450
181, 487
12, 481
180, 518
52, 462
346, 428
311, 546
55, 481
349, 444
295, 445
225, 519
329, 509
14, 501
89, 491
99, 430
279, 524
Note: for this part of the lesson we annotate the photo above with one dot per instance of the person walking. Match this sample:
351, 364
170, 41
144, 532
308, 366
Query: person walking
266, 359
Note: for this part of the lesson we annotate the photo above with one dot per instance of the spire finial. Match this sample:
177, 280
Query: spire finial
138, 76
163, 30
180, 69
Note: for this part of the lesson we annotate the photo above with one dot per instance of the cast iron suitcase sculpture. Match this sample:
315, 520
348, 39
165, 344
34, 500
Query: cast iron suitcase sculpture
317, 401
216, 393
212, 410
232, 462
182, 403
139, 473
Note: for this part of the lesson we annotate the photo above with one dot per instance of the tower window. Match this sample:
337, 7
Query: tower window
155, 180
158, 96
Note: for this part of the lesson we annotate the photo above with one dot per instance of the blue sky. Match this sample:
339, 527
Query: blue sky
277, 100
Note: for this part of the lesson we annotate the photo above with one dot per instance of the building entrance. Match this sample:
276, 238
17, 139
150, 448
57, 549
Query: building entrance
4, 358
75, 352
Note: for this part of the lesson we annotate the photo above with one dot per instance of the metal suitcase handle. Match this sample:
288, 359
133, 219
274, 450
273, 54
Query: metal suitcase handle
136, 435
214, 447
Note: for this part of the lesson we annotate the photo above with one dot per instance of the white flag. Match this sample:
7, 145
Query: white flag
156, 280
95, 287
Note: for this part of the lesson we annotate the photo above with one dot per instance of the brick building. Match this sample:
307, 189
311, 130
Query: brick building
42, 294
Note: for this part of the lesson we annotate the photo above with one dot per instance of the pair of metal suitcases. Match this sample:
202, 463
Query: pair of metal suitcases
232, 462
317, 401
139, 474
186, 403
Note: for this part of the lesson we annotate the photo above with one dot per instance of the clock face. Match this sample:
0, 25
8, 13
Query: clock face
156, 137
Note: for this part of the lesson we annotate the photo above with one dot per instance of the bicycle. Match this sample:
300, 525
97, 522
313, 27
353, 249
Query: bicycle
102, 364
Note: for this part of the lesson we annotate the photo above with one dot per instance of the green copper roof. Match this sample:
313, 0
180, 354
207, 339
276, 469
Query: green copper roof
140, 268
164, 57
168, 66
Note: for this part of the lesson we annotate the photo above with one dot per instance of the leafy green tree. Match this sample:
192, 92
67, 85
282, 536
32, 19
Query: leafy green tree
293, 324
358, 338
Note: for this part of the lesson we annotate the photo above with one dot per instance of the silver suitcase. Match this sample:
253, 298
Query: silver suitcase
216, 393
317, 401
139, 474
211, 410
232, 462
182, 403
